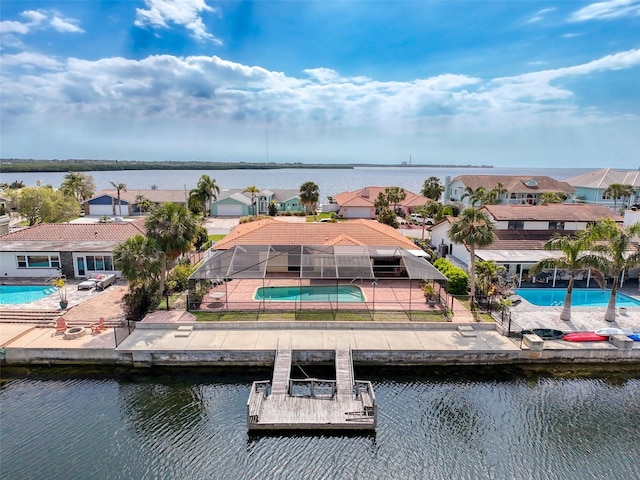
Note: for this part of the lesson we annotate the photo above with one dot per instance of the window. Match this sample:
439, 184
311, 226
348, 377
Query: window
38, 261
516, 225
556, 225
95, 263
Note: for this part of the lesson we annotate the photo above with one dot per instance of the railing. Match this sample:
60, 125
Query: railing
313, 388
258, 391
364, 392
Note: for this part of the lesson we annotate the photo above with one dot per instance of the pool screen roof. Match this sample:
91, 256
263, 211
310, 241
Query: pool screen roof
312, 261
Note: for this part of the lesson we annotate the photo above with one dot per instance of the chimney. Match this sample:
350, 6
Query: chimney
364, 193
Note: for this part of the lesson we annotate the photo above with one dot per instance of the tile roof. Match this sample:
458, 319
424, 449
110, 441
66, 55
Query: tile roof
604, 177
156, 196
575, 212
69, 232
274, 232
366, 197
515, 183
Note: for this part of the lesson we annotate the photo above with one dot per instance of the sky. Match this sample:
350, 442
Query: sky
503, 83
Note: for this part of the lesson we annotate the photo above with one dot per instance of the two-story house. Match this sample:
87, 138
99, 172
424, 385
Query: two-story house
516, 189
521, 232
591, 186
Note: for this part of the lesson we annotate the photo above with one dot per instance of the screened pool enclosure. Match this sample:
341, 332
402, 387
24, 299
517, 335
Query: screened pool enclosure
239, 278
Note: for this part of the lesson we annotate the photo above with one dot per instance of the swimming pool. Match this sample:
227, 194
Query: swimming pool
322, 293
580, 297
14, 294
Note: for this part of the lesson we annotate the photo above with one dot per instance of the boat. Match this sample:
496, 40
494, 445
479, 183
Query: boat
614, 331
584, 337
545, 333
635, 337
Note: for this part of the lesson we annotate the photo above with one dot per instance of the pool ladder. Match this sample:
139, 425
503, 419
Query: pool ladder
556, 303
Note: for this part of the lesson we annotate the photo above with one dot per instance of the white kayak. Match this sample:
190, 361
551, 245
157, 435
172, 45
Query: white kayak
614, 331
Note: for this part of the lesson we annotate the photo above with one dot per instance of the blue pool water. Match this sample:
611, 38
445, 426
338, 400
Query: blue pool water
13, 294
323, 293
580, 297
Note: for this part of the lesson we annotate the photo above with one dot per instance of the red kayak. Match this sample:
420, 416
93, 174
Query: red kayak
584, 337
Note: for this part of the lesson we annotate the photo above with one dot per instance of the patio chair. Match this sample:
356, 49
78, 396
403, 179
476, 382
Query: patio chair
98, 327
61, 325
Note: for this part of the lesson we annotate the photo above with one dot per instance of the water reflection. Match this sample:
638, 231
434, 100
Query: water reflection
442, 425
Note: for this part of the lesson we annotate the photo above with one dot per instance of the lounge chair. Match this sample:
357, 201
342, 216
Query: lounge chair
98, 327
61, 325
104, 280
515, 299
87, 284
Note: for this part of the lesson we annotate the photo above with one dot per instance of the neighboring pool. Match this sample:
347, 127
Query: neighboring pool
580, 297
13, 294
324, 293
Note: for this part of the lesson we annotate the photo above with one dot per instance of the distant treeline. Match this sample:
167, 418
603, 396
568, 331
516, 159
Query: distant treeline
10, 165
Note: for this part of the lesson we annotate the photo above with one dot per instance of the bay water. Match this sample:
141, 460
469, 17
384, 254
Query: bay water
454, 424
329, 181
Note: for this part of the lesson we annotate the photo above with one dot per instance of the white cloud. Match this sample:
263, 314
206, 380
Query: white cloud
39, 20
9, 26
607, 10
540, 15
203, 90
186, 13
65, 25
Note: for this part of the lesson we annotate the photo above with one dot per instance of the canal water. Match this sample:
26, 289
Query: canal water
432, 425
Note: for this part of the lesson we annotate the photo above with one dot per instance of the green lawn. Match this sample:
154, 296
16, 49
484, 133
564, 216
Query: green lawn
317, 316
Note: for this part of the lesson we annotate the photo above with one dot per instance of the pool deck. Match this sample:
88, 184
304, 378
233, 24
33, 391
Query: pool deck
175, 338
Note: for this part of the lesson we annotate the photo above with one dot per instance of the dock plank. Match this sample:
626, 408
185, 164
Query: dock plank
281, 372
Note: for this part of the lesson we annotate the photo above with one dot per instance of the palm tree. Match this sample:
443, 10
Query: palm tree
478, 196
209, 190
120, 187
474, 229
144, 204
174, 229
309, 195
138, 260
551, 197
432, 188
611, 254
618, 190
197, 202
79, 185
253, 191
492, 197
395, 195
573, 259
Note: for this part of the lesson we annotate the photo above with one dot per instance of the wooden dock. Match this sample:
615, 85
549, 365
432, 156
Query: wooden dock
309, 404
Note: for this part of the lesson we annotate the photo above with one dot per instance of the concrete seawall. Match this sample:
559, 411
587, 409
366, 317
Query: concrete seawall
254, 344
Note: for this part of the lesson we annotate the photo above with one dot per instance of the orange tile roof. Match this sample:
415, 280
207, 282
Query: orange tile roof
366, 197
274, 232
75, 232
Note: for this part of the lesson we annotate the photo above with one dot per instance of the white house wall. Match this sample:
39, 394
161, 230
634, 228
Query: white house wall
9, 266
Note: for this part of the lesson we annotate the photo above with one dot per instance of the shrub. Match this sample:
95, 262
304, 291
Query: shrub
458, 278
139, 301
178, 278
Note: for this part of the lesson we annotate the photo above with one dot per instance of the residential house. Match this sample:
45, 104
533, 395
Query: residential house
105, 202
358, 249
518, 189
590, 187
521, 232
361, 203
237, 203
76, 250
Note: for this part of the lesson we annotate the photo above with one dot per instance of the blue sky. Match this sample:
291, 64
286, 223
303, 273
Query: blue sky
505, 83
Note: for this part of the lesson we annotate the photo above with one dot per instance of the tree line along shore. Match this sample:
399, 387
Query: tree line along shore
20, 165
